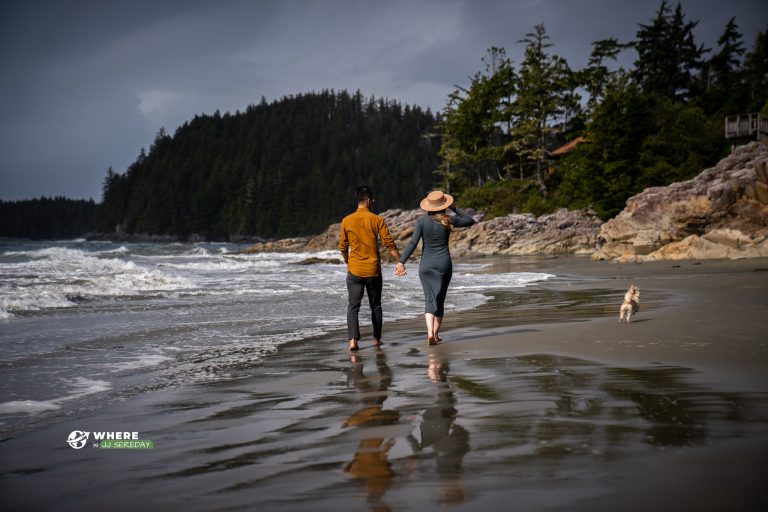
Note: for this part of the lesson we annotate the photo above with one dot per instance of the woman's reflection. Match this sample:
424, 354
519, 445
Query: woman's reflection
370, 463
449, 440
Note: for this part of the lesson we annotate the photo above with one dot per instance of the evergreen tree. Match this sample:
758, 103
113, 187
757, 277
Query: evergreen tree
597, 78
603, 171
756, 71
472, 145
668, 60
545, 101
726, 92
724, 64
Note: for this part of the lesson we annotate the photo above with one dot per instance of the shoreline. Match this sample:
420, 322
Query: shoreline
547, 401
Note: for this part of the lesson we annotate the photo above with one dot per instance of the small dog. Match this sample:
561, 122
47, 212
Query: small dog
631, 303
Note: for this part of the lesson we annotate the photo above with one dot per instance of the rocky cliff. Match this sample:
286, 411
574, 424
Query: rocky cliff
721, 213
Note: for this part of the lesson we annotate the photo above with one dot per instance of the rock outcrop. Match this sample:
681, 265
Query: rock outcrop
563, 232
721, 213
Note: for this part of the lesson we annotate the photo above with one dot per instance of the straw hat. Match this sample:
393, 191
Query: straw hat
436, 201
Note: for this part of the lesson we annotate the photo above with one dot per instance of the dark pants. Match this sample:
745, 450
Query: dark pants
355, 287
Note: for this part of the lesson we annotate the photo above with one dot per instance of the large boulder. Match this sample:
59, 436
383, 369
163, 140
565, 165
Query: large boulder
721, 213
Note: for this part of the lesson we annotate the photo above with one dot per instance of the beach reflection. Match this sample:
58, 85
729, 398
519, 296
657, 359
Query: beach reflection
370, 463
561, 409
439, 432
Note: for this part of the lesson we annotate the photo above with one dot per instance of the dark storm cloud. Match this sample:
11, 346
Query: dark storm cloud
572, 26
86, 84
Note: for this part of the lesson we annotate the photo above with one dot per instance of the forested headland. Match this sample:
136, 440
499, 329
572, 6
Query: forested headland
285, 168
624, 130
528, 136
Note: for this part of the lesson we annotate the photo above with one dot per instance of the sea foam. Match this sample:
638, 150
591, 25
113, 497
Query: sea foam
57, 277
78, 388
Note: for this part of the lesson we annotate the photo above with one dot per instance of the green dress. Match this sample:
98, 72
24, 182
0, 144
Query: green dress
435, 268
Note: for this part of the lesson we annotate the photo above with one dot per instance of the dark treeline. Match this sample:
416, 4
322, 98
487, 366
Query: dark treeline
44, 218
660, 121
285, 168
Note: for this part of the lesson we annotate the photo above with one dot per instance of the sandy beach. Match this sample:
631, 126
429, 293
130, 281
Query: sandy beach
538, 400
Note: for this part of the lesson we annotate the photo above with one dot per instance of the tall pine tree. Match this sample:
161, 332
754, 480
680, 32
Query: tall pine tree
544, 104
668, 60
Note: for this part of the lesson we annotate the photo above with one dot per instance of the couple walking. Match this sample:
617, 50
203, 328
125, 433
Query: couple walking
360, 233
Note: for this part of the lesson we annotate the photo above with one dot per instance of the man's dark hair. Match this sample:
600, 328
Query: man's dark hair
363, 192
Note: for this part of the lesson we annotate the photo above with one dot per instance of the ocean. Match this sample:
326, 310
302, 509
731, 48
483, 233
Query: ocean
83, 324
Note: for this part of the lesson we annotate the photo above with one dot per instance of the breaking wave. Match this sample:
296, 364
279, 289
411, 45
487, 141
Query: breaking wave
57, 277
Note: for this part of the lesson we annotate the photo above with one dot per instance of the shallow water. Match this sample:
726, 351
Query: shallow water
83, 324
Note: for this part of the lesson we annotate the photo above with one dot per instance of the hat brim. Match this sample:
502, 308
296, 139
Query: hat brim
427, 207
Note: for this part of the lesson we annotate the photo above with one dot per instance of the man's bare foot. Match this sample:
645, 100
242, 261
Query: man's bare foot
377, 343
353, 345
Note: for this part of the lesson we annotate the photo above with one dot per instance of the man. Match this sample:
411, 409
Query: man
360, 233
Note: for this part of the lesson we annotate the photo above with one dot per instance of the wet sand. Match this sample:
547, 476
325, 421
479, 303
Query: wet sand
539, 400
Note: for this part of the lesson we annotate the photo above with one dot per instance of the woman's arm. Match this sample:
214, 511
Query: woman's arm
413, 243
461, 219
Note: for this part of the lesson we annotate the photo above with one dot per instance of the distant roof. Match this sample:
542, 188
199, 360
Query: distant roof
568, 147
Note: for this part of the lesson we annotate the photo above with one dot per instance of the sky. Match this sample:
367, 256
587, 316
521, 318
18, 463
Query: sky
85, 84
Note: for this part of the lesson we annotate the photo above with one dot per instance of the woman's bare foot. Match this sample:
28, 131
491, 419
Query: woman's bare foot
438, 338
353, 345
431, 340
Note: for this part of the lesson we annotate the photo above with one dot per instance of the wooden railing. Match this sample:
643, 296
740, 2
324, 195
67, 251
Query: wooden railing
745, 125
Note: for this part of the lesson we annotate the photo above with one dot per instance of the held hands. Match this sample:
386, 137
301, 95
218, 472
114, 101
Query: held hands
400, 270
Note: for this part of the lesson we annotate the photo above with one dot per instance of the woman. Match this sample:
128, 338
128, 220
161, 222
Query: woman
435, 268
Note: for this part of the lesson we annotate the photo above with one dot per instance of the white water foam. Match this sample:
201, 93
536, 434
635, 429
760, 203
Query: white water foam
80, 387
479, 282
120, 250
56, 277
142, 361
206, 362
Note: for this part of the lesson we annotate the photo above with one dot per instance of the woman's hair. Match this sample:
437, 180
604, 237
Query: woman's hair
441, 218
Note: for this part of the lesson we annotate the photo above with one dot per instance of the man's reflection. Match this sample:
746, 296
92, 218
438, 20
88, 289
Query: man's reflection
370, 463
449, 440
